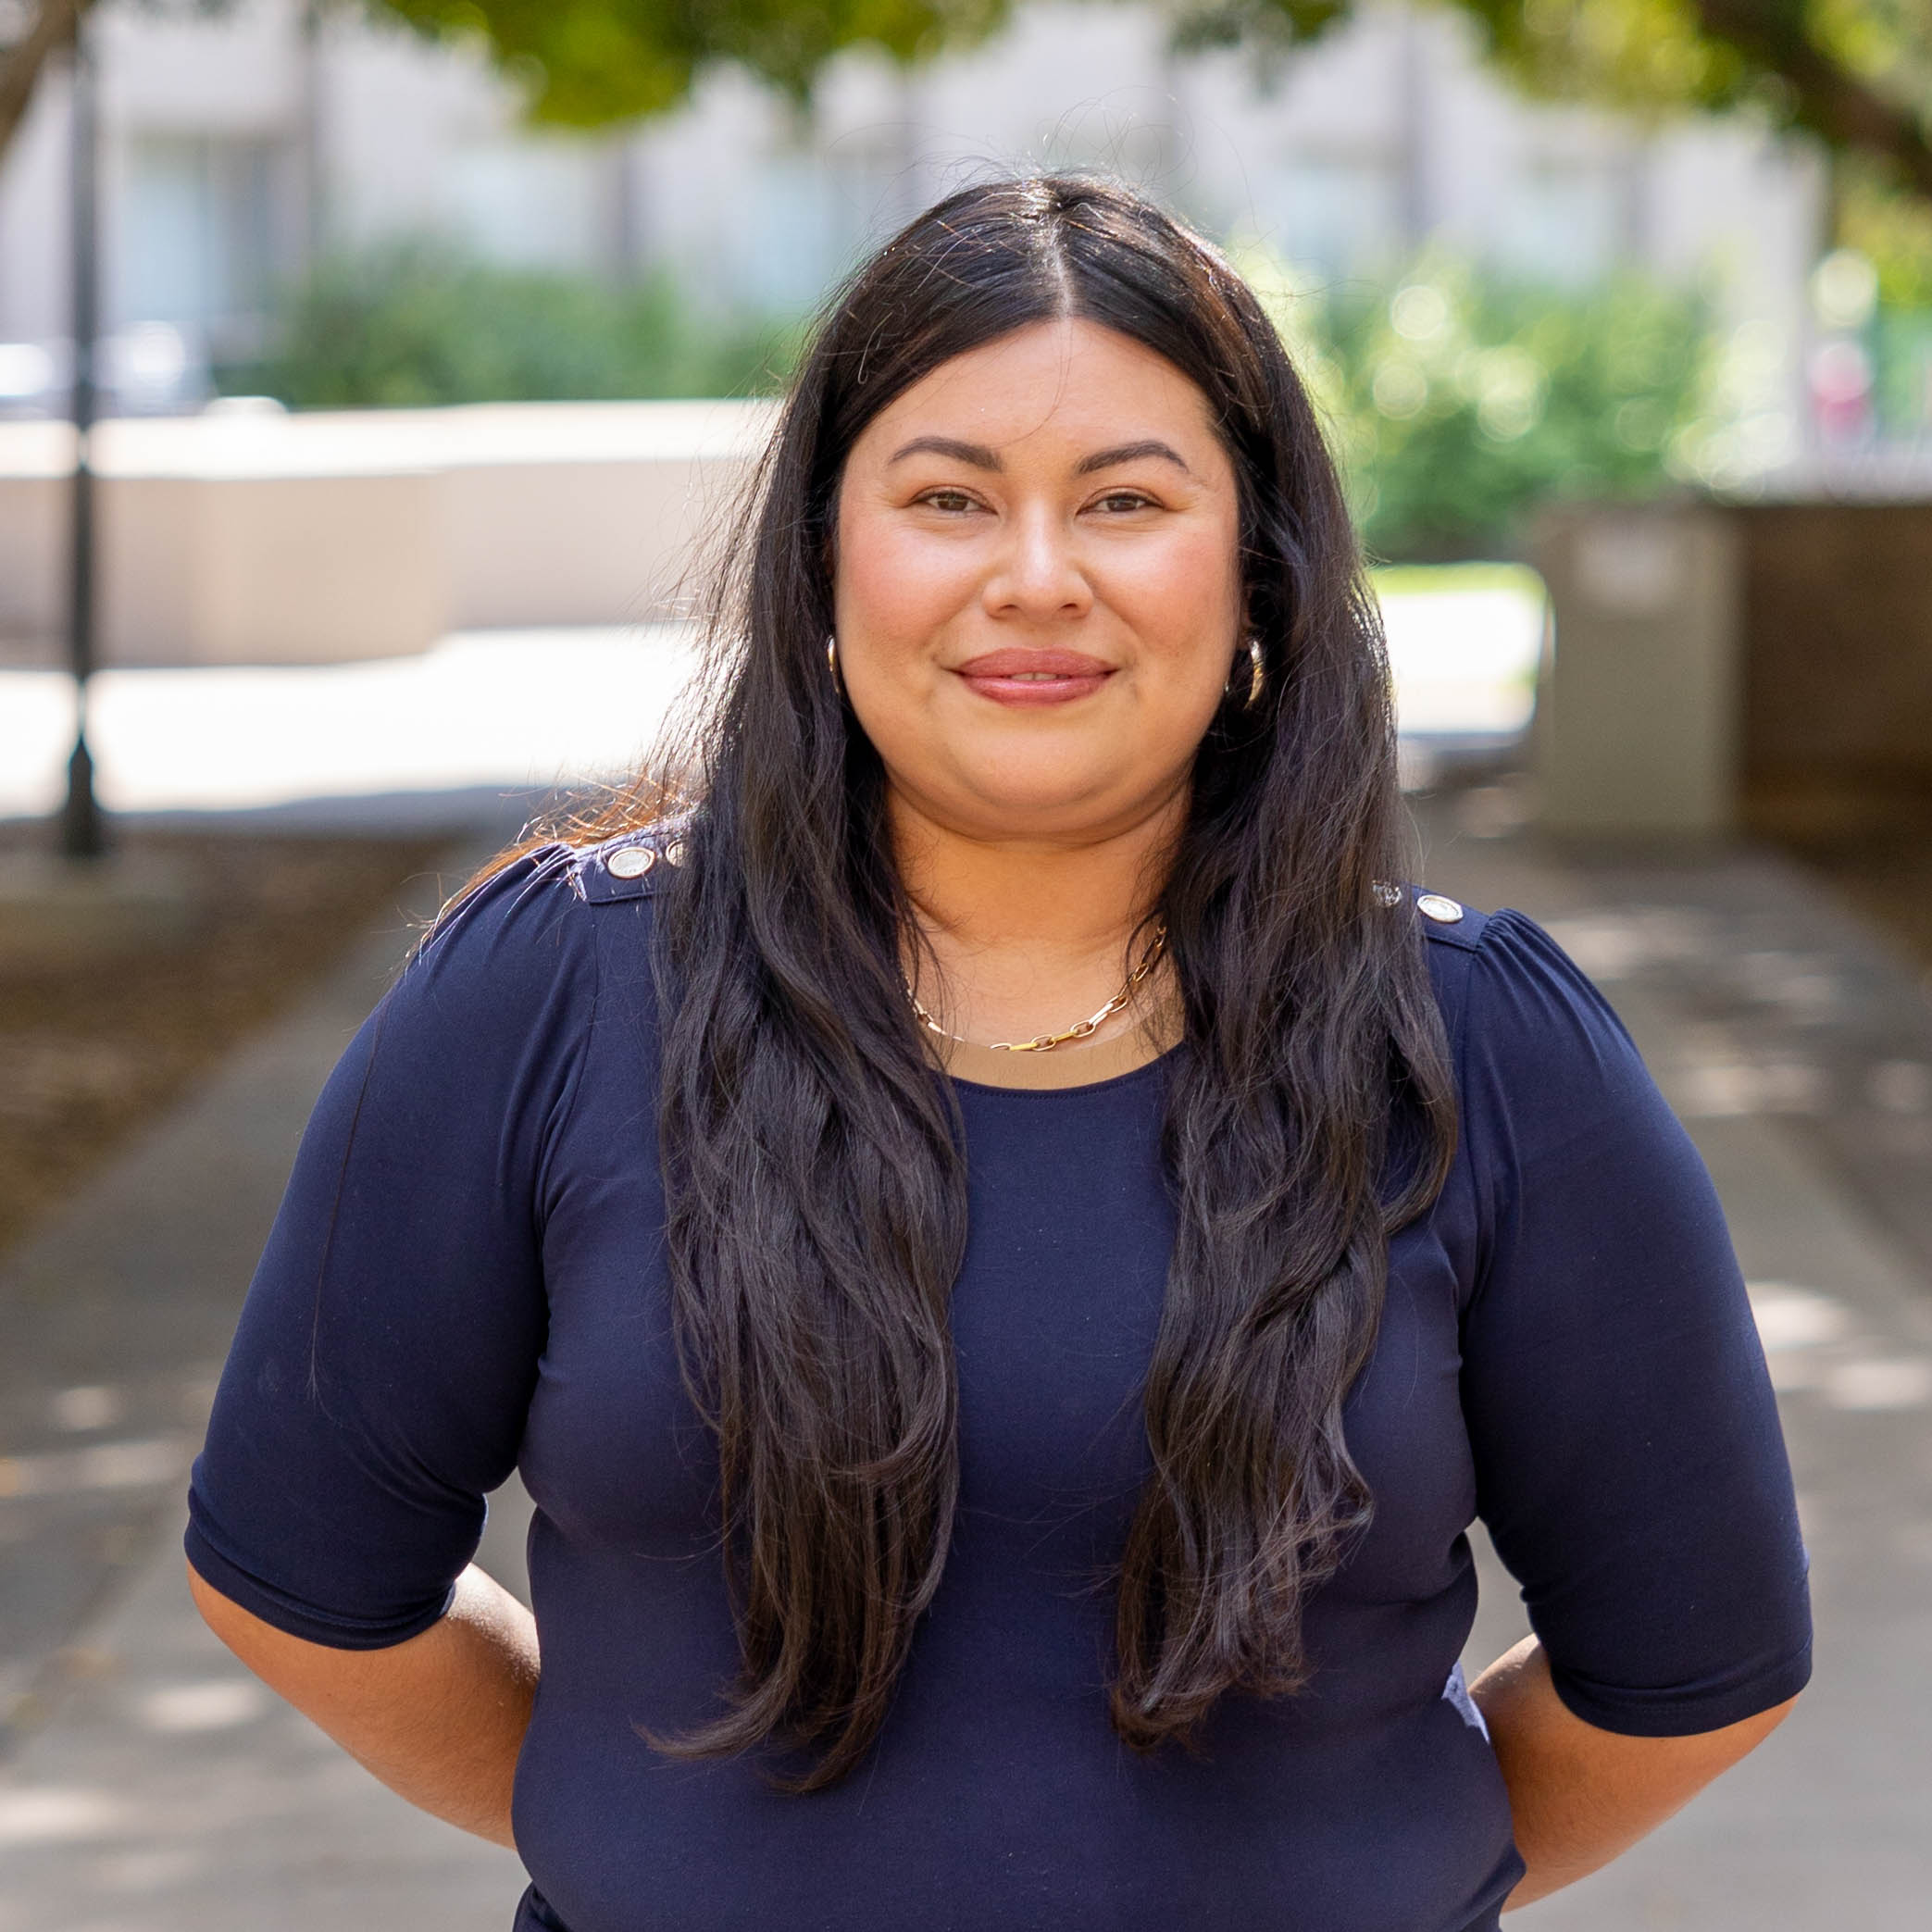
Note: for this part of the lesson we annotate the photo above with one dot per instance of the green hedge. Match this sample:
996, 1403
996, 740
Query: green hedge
1457, 402
414, 324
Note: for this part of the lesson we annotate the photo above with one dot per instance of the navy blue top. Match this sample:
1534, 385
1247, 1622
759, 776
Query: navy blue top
467, 1276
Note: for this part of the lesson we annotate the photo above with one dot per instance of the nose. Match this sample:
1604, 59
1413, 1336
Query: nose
1037, 571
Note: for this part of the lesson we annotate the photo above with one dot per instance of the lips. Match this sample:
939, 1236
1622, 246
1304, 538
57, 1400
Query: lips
1018, 676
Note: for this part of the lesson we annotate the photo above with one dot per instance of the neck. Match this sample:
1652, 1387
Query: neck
1068, 895
1021, 936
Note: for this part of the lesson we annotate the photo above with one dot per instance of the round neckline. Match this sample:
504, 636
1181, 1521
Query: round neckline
1083, 1089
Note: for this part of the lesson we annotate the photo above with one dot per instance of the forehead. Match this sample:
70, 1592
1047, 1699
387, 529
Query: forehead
1051, 388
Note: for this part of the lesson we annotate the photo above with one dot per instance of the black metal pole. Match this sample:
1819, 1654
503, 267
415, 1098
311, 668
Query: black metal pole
83, 834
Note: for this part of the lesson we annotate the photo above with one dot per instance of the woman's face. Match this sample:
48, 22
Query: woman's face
1037, 585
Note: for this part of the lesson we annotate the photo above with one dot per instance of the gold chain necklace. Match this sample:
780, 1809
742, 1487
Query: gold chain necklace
1080, 1029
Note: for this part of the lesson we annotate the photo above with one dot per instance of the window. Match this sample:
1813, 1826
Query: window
532, 202
196, 237
1561, 220
807, 217
1339, 212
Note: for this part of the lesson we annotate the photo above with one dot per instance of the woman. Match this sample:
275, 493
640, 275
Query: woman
1007, 1247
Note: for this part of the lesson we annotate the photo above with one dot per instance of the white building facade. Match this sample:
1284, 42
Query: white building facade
235, 150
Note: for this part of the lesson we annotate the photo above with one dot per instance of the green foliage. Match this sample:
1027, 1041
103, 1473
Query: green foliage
1854, 71
1886, 43
1456, 403
1635, 55
586, 62
413, 324
1892, 230
1902, 356
1263, 27
1857, 73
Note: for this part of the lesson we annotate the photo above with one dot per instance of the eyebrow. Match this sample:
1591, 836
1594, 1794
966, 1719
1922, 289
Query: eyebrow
981, 457
976, 454
1128, 453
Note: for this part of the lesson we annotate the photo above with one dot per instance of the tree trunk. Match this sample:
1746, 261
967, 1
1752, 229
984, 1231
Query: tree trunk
21, 63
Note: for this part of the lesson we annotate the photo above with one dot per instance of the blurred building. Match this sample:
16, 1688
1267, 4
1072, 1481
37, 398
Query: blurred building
239, 147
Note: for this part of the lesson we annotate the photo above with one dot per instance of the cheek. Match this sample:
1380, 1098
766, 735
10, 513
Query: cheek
889, 588
1185, 602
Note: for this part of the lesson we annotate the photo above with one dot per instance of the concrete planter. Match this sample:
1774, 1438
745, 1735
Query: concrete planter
1636, 728
321, 538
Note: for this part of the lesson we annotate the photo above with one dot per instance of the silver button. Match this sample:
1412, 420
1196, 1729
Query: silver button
1387, 894
632, 862
1432, 905
674, 852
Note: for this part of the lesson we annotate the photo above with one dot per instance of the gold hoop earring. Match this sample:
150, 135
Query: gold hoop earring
1257, 673
831, 663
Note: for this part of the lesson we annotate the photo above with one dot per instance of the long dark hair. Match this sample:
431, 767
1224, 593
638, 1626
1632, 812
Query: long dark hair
812, 1154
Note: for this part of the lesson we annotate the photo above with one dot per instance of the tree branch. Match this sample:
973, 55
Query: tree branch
21, 64
1832, 103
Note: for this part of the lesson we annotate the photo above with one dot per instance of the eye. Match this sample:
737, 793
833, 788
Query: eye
951, 503
1119, 502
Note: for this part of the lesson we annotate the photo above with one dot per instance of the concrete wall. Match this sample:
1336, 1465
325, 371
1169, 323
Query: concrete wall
313, 538
1837, 611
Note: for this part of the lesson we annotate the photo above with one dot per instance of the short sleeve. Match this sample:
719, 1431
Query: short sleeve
1630, 1464
379, 1378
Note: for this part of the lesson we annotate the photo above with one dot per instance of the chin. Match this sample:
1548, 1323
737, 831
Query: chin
1049, 802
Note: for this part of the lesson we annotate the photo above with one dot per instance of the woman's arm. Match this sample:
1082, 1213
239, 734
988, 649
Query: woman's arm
1579, 1795
439, 1718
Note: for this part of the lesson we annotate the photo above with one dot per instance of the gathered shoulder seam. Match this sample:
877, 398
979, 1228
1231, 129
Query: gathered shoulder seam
631, 865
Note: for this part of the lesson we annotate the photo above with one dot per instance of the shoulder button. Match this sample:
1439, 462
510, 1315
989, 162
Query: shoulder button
623, 868
1433, 905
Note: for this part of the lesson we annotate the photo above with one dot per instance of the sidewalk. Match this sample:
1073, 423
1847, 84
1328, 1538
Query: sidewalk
154, 1788
1798, 1053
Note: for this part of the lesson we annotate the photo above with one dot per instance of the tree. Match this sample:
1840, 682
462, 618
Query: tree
1856, 73
583, 63
31, 31
38, 30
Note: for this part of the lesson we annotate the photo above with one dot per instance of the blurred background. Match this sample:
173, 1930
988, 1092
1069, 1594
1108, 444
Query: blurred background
369, 375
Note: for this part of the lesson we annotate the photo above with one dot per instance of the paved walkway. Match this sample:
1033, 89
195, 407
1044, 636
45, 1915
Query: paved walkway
1795, 1048
152, 1787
